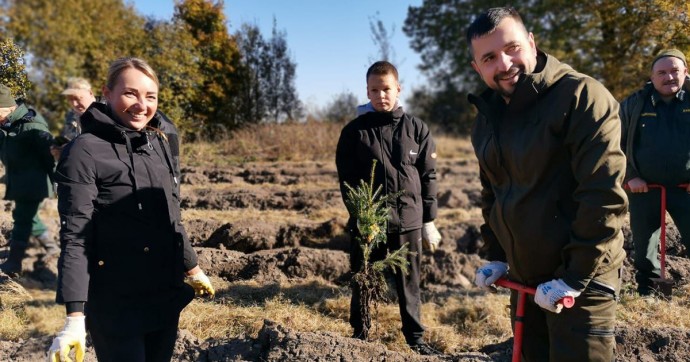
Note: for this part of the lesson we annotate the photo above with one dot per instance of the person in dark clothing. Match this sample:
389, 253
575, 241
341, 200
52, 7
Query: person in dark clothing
548, 144
124, 250
25, 151
406, 155
656, 130
80, 96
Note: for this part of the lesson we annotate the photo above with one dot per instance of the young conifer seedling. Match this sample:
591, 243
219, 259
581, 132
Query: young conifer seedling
368, 207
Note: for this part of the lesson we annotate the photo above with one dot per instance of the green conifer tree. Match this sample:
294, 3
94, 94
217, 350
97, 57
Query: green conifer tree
368, 207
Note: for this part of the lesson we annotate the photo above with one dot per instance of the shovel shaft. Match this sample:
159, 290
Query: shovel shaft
522, 291
662, 231
663, 281
567, 302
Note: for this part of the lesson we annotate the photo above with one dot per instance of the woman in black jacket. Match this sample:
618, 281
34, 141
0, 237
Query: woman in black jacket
124, 250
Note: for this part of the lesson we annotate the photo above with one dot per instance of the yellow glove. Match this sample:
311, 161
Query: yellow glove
73, 335
201, 284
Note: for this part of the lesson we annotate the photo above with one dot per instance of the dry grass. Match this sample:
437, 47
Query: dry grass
655, 313
309, 141
245, 186
464, 321
271, 216
451, 147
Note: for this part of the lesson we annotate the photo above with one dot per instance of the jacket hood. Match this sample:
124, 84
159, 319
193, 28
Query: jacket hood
548, 71
382, 118
21, 111
100, 121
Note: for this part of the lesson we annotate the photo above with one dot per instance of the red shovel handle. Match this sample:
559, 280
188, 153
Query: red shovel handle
567, 301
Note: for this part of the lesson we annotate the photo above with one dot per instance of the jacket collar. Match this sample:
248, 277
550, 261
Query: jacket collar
99, 121
655, 97
18, 113
381, 118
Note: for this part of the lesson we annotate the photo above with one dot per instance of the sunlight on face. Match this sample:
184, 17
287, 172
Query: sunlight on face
668, 76
383, 91
80, 100
4, 112
133, 99
502, 56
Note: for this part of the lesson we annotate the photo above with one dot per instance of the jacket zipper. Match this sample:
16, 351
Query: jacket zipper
499, 151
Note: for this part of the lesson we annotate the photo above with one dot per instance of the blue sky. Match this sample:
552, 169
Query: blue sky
330, 40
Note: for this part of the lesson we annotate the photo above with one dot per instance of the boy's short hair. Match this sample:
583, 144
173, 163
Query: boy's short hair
382, 67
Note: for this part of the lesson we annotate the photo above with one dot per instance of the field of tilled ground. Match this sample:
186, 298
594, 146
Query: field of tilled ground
275, 230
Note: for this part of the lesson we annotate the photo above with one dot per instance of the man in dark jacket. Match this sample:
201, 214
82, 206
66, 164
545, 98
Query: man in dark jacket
548, 143
406, 161
80, 96
656, 130
25, 151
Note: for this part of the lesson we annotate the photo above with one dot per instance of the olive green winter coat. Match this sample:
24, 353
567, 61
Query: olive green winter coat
551, 169
25, 151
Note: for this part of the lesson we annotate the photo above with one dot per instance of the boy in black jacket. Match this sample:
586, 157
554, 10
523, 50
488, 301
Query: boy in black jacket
406, 161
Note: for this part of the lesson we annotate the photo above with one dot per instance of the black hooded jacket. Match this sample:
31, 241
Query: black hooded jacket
122, 239
406, 161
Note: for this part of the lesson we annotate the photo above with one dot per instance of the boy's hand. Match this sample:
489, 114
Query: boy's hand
430, 236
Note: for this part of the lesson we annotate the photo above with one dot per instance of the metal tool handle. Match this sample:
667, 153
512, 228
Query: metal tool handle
566, 301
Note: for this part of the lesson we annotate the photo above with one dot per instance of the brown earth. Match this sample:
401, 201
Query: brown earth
272, 251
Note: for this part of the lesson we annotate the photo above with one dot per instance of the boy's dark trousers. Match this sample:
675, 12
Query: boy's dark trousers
407, 286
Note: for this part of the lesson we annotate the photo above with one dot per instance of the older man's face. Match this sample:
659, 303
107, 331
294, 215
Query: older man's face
668, 75
4, 112
80, 100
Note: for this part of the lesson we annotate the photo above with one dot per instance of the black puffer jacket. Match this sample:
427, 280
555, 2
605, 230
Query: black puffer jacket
124, 248
406, 160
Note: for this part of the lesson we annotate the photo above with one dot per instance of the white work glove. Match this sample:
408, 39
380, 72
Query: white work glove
550, 293
489, 273
430, 236
73, 335
201, 284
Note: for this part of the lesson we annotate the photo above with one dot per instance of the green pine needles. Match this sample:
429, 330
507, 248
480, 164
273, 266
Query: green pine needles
368, 207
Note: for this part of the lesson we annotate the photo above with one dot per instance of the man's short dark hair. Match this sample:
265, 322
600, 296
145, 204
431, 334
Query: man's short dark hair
382, 67
487, 22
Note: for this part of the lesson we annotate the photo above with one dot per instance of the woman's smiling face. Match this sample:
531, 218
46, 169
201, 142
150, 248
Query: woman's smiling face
133, 99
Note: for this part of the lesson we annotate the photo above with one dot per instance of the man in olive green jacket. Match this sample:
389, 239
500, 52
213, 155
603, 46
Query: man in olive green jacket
548, 143
25, 151
656, 130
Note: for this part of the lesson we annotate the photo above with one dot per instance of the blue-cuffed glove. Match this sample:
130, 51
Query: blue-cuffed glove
550, 293
489, 273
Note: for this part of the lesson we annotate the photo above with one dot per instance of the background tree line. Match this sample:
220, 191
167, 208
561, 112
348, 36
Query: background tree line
214, 81
211, 81
610, 40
